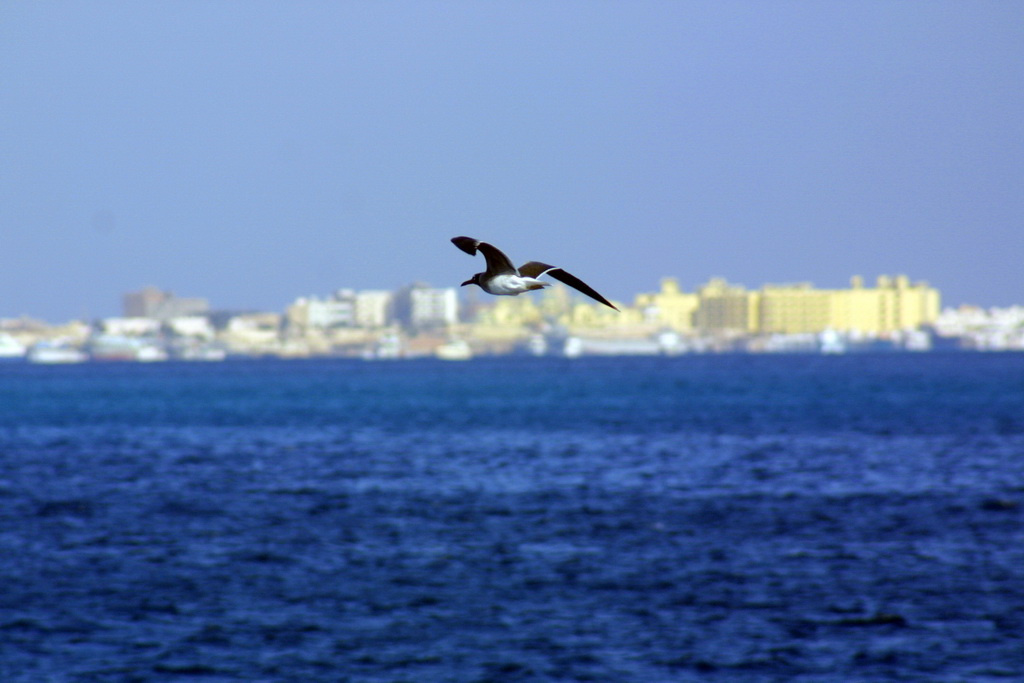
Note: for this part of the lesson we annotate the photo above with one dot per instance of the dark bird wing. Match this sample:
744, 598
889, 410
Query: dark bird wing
497, 262
535, 269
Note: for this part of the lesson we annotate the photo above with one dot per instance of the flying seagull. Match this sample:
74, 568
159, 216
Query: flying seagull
502, 278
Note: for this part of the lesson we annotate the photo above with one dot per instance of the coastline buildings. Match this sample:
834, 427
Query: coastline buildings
979, 329
347, 308
419, 320
892, 305
721, 316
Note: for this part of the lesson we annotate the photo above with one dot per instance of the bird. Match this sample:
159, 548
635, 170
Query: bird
503, 279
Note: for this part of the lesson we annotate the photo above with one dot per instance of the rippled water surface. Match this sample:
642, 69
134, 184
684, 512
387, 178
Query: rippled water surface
728, 518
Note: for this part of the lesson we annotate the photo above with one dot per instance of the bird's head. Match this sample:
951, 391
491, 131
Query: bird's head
475, 280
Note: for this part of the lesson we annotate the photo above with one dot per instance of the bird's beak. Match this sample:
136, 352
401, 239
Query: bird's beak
467, 282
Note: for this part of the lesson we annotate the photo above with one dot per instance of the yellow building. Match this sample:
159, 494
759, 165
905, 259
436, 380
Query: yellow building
510, 311
726, 308
506, 319
893, 304
670, 307
585, 316
554, 301
795, 309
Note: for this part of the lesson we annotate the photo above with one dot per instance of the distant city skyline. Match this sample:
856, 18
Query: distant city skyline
252, 153
418, 319
155, 302
129, 302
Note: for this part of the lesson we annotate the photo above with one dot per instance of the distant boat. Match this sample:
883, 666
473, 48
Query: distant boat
11, 348
388, 347
52, 353
575, 347
149, 353
831, 342
456, 349
121, 348
537, 345
202, 353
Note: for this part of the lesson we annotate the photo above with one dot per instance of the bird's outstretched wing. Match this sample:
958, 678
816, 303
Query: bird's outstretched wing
497, 262
535, 269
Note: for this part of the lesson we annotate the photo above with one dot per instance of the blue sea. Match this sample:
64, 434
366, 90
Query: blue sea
698, 518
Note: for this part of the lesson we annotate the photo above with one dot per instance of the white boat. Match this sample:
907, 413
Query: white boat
149, 353
584, 346
112, 347
202, 353
456, 349
537, 345
831, 342
388, 347
52, 353
11, 347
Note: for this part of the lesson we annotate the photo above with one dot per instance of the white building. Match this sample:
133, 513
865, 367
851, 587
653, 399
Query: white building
433, 307
366, 309
315, 313
373, 308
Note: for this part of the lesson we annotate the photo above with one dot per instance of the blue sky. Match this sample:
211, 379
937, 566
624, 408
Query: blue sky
255, 152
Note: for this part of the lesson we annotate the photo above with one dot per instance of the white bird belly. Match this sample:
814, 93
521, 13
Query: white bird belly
512, 285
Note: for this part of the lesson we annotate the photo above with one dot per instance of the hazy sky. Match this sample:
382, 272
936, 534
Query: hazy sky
253, 152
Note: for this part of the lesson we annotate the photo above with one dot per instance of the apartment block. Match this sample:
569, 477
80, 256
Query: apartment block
796, 309
160, 305
893, 304
718, 307
419, 306
727, 308
315, 313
